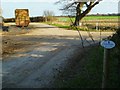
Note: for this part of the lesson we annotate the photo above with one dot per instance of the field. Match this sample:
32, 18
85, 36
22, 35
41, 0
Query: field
109, 23
92, 18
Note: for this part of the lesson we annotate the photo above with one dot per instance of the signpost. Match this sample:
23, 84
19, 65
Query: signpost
96, 26
107, 44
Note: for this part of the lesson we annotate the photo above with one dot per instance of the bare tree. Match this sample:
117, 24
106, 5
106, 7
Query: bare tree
79, 7
48, 15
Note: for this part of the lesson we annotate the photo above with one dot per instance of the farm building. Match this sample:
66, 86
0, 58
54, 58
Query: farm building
22, 17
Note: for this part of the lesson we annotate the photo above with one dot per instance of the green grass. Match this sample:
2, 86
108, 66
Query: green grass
89, 73
68, 27
67, 19
104, 26
60, 26
100, 17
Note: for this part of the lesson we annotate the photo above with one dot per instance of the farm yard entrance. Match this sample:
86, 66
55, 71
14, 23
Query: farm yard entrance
34, 58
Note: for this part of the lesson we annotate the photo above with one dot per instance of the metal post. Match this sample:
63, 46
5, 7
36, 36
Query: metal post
107, 44
97, 26
105, 68
100, 34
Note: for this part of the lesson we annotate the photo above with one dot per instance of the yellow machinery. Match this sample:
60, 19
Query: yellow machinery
22, 17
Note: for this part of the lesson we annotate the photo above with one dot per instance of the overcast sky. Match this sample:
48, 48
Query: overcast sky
36, 7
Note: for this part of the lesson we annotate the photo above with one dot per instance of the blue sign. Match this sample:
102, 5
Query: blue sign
107, 44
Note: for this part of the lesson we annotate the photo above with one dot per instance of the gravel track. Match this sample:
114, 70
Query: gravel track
40, 55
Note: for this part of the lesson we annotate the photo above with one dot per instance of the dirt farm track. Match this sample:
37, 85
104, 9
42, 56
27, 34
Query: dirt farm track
33, 57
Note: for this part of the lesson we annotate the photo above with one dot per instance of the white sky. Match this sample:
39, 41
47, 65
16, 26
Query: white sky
29, 0
37, 7
48, 0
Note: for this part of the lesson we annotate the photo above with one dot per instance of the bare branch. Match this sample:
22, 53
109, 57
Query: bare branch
81, 8
86, 4
68, 6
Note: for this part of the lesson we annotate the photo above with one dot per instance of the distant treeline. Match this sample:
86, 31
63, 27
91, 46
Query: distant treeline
95, 15
42, 19
32, 19
37, 19
9, 19
105, 14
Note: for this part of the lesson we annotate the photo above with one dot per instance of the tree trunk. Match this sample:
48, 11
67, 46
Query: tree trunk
78, 18
76, 23
80, 14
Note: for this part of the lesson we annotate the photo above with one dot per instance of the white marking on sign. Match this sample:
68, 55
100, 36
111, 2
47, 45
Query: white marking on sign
107, 44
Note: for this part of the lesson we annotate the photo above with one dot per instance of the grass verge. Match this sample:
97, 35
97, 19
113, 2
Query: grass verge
87, 71
82, 28
68, 27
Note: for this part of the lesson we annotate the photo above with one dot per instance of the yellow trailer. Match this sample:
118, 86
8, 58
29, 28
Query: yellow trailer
22, 17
